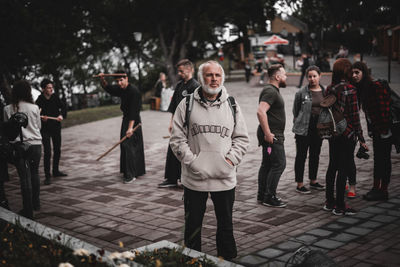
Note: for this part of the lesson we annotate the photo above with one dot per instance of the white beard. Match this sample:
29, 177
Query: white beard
212, 91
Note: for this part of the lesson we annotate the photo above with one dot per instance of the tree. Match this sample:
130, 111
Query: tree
42, 37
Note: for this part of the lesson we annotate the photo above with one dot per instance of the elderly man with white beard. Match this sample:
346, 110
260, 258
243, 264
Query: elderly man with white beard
210, 139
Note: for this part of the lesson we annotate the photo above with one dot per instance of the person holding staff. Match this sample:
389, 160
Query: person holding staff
132, 163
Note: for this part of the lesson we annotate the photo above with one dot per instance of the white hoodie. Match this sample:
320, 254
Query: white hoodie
209, 138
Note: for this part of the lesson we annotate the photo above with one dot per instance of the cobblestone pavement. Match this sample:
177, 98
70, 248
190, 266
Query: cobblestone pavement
93, 204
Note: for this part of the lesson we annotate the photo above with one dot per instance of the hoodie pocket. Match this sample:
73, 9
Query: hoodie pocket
210, 164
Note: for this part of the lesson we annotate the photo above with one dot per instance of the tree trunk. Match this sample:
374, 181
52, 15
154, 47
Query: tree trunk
5, 89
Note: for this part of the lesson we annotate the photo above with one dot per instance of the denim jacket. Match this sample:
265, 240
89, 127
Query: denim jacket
302, 110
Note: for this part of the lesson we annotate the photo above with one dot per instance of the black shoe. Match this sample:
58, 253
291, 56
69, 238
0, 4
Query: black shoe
4, 204
129, 180
47, 181
167, 183
303, 190
328, 206
59, 174
317, 186
375, 195
274, 202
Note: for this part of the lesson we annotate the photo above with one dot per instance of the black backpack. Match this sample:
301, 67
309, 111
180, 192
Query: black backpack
189, 106
10, 130
331, 121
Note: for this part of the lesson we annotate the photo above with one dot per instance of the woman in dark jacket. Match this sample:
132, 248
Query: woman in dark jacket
341, 148
375, 102
306, 109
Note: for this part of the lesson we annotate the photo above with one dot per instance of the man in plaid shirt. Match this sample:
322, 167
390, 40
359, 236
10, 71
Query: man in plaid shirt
341, 148
376, 101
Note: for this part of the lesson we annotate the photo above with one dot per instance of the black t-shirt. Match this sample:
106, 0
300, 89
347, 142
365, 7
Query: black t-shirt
52, 107
181, 90
131, 101
276, 113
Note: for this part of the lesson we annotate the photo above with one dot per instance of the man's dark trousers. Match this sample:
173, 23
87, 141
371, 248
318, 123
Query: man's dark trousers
195, 207
272, 167
55, 137
172, 167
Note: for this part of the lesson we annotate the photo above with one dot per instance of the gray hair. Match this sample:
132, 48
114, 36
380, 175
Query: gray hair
200, 72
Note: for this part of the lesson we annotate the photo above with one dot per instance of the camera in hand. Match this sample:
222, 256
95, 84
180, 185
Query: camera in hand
362, 153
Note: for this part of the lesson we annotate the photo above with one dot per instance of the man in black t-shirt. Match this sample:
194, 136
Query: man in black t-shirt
52, 112
270, 133
185, 86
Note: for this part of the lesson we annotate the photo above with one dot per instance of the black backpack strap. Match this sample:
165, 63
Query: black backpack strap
232, 105
189, 105
20, 135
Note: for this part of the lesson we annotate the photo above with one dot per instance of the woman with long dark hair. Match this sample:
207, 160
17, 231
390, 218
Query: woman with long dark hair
306, 109
27, 162
341, 148
375, 102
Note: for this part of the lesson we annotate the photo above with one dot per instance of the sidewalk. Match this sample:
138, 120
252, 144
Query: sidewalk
93, 204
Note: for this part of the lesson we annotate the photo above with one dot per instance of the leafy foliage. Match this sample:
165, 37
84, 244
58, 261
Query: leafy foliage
19, 247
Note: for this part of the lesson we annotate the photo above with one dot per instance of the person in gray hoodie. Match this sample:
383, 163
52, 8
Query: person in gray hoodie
210, 146
27, 164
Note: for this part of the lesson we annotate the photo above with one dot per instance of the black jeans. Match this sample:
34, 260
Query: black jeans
195, 207
272, 167
28, 172
341, 156
312, 143
55, 136
382, 160
172, 167
352, 169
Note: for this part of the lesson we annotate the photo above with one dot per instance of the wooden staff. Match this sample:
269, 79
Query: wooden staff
119, 142
166, 137
110, 75
52, 118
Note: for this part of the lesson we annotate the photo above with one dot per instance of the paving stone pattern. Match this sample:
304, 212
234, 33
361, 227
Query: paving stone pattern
93, 204
342, 241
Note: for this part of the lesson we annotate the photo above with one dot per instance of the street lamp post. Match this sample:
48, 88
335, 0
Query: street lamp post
389, 33
362, 31
138, 39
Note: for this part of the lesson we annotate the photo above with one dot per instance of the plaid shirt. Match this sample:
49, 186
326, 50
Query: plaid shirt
347, 99
378, 109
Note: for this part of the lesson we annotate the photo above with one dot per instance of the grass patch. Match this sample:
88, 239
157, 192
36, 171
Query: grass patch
86, 115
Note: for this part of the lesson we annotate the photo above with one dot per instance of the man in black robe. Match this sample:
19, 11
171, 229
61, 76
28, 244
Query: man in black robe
184, 87
132, 163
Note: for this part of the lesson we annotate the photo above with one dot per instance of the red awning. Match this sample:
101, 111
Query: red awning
275, 39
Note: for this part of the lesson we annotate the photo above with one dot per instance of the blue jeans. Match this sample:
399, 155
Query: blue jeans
195, 207
272, 167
